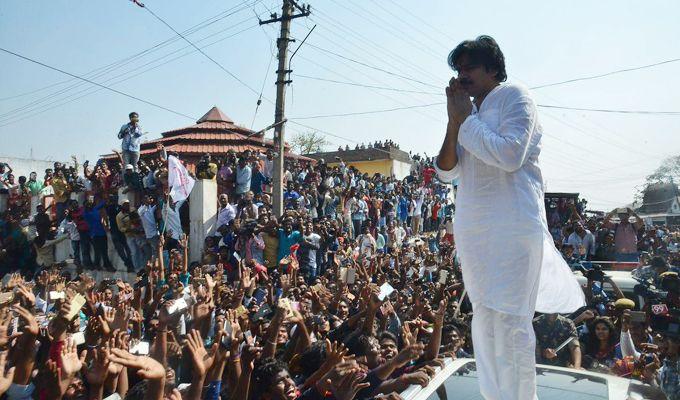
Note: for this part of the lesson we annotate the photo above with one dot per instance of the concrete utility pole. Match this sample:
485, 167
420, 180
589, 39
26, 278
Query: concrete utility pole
289, 6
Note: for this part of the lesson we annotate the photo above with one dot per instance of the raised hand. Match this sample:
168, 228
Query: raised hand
31, 327
70, 362
335, 352
6, 376
441, 312
99, 369
410, 352
146, 367
348, 386
200, 357
249, 354
27, 294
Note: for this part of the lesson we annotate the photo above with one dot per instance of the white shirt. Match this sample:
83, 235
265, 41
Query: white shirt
268, 166
508, 258
69, 228
146, 214
588, 242
225, 215
173, 223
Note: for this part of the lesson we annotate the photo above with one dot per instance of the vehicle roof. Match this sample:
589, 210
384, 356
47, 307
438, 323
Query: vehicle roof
617, 387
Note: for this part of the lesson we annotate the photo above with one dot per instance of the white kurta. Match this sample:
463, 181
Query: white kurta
506, 251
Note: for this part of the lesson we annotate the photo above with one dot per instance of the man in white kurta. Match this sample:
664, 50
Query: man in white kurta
510, 266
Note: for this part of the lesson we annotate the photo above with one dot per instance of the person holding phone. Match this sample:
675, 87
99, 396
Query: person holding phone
511, 267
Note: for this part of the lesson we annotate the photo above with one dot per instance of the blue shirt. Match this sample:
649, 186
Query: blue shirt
94, 220
131, 136
285, 241
258, 179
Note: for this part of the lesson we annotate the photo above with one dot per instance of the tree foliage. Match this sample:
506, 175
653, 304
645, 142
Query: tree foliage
668, 171
309, 142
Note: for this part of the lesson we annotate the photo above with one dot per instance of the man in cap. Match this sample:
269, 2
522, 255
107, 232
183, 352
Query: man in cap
625, 233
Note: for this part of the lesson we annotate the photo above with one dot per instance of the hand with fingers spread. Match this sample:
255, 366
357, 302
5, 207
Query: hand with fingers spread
409, 353
26, 294
146, 367
71, 363
99, 369
348, 386
6, 375
335, 352
249, 354
201, 359
31, 327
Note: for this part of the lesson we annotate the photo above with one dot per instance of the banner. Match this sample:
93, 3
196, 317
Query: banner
179, 180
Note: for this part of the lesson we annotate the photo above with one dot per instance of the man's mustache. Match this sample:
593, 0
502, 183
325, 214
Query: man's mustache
464, 81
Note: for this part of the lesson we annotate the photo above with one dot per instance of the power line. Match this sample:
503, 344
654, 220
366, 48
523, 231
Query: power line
316, 78
606, 74
126, 60
612, 111
129, 59
408, 78
88, 91
367, 45
364, 73
204, 53
441, 94
367, 112
97, 84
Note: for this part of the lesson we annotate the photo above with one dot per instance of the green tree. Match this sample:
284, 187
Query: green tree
309, 142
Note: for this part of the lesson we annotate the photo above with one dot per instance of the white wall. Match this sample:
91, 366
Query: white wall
400, 169
24, 166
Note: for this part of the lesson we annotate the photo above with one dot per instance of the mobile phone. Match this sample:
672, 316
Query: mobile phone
237, 257
77, 302
259, 295
638, 316
178, 306
226, 338
443, 274
385, 291
141, 348
54, 295
265, 312
78, 338
6, 297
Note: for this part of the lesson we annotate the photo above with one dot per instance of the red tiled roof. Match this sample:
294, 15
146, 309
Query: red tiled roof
213, 133
215, 114
215, 149
210, 126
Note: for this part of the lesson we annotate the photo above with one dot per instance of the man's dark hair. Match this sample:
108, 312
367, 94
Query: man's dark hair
264, 375
133, 113
485, 51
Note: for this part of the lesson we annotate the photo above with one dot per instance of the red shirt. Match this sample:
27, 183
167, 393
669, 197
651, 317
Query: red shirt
428, 173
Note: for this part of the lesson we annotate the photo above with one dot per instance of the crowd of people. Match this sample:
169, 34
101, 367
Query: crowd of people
354, 292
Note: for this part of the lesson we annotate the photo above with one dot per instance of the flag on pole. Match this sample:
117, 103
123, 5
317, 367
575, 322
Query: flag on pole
178, 179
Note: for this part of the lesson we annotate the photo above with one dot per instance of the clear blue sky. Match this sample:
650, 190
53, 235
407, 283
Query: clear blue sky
603, 156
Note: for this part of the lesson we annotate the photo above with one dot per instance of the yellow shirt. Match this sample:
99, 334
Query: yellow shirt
61, 190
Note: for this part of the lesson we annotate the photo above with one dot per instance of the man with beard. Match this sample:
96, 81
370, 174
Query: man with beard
510, 265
